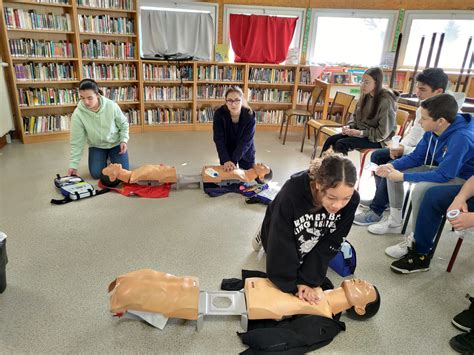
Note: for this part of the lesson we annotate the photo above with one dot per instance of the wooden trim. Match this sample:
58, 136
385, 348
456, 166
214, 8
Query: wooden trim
3, 141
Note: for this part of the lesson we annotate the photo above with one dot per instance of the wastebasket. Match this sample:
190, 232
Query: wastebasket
3, 261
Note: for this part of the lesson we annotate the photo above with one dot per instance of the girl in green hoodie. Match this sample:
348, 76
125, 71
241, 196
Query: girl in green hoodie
101, 123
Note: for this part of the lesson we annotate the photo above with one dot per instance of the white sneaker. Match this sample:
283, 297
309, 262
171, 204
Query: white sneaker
387, 225
257, 240
399, 250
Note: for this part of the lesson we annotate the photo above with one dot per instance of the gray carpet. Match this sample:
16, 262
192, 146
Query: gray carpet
62, 258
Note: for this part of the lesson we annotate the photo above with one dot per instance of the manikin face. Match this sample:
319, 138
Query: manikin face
359, 293
424, 92
428, 124
233, 102
367, 85
112, 171
335, 198
261, 170
89, 98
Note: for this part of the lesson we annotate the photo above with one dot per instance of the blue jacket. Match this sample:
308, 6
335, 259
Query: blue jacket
452, 152
234, 144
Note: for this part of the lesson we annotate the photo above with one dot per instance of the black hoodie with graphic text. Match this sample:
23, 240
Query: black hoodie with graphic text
300, 239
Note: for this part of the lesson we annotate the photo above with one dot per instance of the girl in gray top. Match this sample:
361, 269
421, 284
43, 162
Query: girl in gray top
374, 121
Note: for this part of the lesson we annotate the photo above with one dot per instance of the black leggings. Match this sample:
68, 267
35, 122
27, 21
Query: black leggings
343, 144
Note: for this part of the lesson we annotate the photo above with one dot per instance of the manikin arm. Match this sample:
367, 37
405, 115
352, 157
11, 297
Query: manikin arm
216, 174
160, 173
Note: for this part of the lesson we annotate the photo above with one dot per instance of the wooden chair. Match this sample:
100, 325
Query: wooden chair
336, 117
307, 114
403, 121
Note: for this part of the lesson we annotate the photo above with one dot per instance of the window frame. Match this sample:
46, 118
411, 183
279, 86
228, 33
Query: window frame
391, 15
298, 12
212, 8
411, 15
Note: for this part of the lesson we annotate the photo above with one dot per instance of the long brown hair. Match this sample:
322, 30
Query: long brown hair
377, 74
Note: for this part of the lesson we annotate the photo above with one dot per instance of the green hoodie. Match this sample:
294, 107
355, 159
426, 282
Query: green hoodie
104, 129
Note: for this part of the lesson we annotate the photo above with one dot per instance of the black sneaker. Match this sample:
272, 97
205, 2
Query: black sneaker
412, 262
463, 343
465, 320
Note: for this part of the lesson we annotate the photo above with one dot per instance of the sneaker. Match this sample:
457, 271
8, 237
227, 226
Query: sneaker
367, 218
465, 320
365, 204
399, 250
387, 225
463, 343
257, 240
412, 262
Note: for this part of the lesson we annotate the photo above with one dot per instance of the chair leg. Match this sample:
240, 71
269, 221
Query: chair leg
315, 147
309, 136
286, 129
455, 254
363, 156
304, 135
438, 236
406, 220
281, 126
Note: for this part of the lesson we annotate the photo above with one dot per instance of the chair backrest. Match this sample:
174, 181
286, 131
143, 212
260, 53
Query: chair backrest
351, 110
341, 99
313, 99
403, 120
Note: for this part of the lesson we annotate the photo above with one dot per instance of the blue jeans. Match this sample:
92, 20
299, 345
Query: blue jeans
98, 159
432, 209
380, 201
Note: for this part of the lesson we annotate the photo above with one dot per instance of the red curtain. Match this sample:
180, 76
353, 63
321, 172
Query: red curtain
261, 39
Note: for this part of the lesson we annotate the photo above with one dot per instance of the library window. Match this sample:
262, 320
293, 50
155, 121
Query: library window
457, 29
296, 42
350, 38
174, 29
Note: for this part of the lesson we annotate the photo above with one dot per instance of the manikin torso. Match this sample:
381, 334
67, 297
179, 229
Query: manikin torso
258, 171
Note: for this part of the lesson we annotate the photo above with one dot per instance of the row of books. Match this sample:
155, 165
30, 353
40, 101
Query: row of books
210, 91
46, 123
32, 20
47, 96
269, 116
133, 116
120, 71
158, 93
108, 4
105, 24
166, 115
269, 95
120, 94
205, 115
302, 96
28, 47
305, 77
216, 72
65, 2
99, 49
45, 71
272, 75
167, 72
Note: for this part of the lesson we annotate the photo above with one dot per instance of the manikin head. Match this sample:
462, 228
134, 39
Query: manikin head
109, 175
89, 93
234, 100
438, 112
372, 81
332, 181
363, 296
264, 173
430, 82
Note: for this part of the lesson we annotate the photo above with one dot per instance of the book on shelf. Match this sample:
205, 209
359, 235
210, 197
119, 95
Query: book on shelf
121, 71
45, 71
46, 123
167, 72
302, 97
269, 95
166, 93
221, 53
121, 94
96, 49
269, 116
32, 20
219, 73
133, 116
105, 24
47, 96
205, 115
29, 47
211, 91
168, 116
108, 4
271, 75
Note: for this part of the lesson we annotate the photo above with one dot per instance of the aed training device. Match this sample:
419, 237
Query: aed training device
74, 188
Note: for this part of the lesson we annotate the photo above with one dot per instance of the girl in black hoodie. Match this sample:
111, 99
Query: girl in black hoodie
306, 223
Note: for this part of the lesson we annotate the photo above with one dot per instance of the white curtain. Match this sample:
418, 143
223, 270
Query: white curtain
170, 32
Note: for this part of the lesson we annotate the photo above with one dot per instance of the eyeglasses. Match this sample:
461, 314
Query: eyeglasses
235, 101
